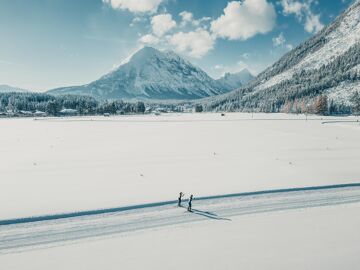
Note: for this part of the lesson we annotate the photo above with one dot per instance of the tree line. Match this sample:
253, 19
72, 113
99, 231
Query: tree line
52, 105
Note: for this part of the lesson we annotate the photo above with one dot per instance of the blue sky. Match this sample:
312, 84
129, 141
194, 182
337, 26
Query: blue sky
51, 43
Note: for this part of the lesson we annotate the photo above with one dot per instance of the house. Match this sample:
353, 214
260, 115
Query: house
39, 113
25, 113
68, 112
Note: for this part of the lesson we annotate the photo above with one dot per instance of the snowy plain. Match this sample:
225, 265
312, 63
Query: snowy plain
74, 164
314, 238
61, 165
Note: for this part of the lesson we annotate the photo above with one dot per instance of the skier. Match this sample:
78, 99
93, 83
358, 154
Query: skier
180, 196
190, 203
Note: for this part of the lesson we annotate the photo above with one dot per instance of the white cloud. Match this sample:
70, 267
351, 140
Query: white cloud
137, 20
194, 43
279, 40
6, 62
289, 47
149, 39
292, 7
302, 10
186, 17
313, 24
243, 20
161, 24
245, 55
136, 6
219, 67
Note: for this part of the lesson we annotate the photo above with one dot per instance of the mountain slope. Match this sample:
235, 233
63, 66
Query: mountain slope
232, 81
151, 74
7, 89
328, 64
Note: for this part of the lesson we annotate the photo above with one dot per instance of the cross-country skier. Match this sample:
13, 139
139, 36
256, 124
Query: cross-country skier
190, 203
180, 197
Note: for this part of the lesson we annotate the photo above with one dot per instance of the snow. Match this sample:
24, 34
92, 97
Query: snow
338, 42
286, 75
57, 165
150, 73
74, 164
295, 239
356, 68
342, 93
50, 231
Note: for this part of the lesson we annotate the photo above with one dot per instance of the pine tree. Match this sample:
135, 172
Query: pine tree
140, 107
198, 108
356, 103
52, 108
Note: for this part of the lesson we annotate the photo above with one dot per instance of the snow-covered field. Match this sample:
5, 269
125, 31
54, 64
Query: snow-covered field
272, 230
51, 166
65, 165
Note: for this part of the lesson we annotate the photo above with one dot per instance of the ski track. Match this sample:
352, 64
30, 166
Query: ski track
20, 235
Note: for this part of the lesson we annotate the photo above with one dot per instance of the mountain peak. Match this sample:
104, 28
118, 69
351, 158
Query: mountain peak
150, 73
146, 52
243, 71
7, 88
232, 81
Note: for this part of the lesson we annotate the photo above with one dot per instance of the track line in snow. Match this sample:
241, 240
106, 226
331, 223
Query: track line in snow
48, 231
163, 203
340, 121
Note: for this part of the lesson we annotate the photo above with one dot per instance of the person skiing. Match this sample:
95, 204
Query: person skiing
180, 197
190, 203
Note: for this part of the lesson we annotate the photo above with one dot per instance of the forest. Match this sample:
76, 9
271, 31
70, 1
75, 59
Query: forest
28, 103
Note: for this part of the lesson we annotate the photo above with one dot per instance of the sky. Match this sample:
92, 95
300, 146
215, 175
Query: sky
46, 44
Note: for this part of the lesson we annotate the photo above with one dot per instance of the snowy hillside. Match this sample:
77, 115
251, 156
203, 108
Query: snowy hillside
338, 38
327, 62
151, 74
232, 81
7, 89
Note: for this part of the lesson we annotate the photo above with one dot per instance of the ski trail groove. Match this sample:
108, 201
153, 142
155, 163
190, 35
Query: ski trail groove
38, 232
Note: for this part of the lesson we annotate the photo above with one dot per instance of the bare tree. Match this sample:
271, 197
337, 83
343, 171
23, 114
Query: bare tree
321, 105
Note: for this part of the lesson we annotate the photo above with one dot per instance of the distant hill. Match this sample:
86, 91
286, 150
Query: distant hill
327, 64
7, 89
151, 74
232, 81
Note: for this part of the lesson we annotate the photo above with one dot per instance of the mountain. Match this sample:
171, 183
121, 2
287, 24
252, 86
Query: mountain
150, 74
232, 81
7, 89
327, 64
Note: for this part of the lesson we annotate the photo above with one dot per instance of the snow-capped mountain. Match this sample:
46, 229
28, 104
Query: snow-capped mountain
232, 81
152, 74
4, 88
326, 64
